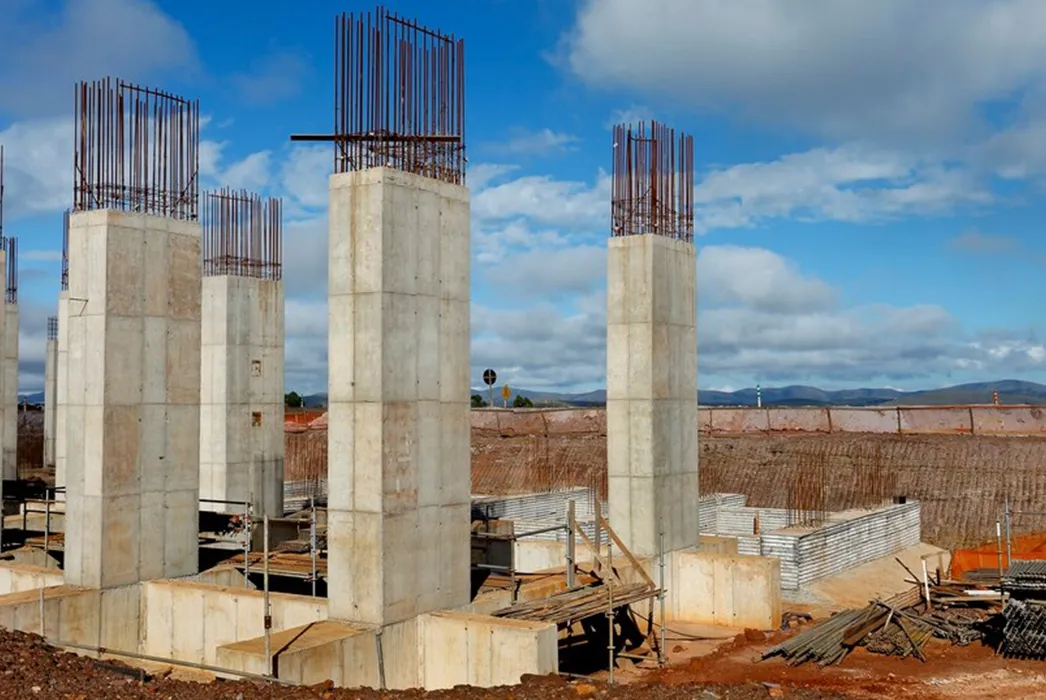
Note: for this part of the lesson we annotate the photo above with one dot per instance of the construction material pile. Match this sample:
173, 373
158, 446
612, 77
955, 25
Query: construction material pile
1024, 617
899, 626
1024, 630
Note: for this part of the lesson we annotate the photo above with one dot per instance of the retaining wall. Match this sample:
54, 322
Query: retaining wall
1016, 421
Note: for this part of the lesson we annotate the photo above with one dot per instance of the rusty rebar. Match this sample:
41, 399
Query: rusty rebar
242, 235
10, 246
653, 182
399, 97
52, 328
137, 149
65, 251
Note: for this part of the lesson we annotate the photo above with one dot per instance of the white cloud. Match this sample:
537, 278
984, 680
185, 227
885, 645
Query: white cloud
536, 143
546, 200
845, 69
850, 183
759, 279
49, 46
252, 172
629, 115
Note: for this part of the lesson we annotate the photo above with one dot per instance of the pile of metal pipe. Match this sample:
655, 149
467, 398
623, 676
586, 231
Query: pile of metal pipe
1024, 630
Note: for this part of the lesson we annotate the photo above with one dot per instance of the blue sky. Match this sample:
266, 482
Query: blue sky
869, 179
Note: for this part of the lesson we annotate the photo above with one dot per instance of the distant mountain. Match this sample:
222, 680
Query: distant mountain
1010, 392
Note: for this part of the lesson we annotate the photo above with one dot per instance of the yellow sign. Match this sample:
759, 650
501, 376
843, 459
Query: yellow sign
505, 392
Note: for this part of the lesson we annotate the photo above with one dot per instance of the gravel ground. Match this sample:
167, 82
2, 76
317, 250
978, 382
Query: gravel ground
31, 669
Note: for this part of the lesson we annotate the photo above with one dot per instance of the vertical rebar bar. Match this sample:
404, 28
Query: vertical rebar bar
571, 544
610, 611
312, 541
265, 605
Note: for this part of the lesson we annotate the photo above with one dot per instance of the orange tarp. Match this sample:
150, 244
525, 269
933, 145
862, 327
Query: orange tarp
1022, 547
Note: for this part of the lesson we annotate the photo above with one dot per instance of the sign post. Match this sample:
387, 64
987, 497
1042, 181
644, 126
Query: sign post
489, 377
505, 393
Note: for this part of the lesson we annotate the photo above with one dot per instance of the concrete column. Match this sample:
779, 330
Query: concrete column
652, 392
398, 431
61, 440
10, 445
241, 394
133, 460
50, 399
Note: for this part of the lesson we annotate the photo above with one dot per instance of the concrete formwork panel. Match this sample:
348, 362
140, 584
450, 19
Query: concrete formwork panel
10, 394
61, 419
133, 416
398, 436
241, 394
50, 400
651, 411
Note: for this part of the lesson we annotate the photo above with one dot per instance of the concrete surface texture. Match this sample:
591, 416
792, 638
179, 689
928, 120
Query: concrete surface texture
61, 440
134, 394
50, 400
10, 394
652, 476
730, 590
398, 469
241, 394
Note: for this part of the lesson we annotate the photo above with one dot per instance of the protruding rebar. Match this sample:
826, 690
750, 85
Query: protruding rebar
10, 246
242, 235
137, 150
653, 182
52, 328
399, 97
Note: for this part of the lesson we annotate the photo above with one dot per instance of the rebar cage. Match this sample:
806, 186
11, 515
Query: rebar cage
653, 182
242, 235
399, 97
137, 149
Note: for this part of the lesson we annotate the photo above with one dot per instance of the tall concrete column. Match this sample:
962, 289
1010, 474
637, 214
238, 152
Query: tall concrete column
652, 392
61, 441
241, 394
10, 388
133, 413
50, 395
398, 431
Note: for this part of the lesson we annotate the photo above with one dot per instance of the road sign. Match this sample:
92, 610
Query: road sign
505, 393
489, 377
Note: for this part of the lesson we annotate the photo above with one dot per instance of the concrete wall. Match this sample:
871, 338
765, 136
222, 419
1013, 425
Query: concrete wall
61, 441
188, 621
241, 394
725, 589
1014, 421
110, 618
434, 651
652, 480
15, 578
10, 394
398, 470
134, 393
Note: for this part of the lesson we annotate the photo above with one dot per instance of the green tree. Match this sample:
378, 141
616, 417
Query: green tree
293, 400
522, 402
477, 401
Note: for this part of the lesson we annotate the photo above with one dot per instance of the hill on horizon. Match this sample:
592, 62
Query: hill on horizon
1011, 392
